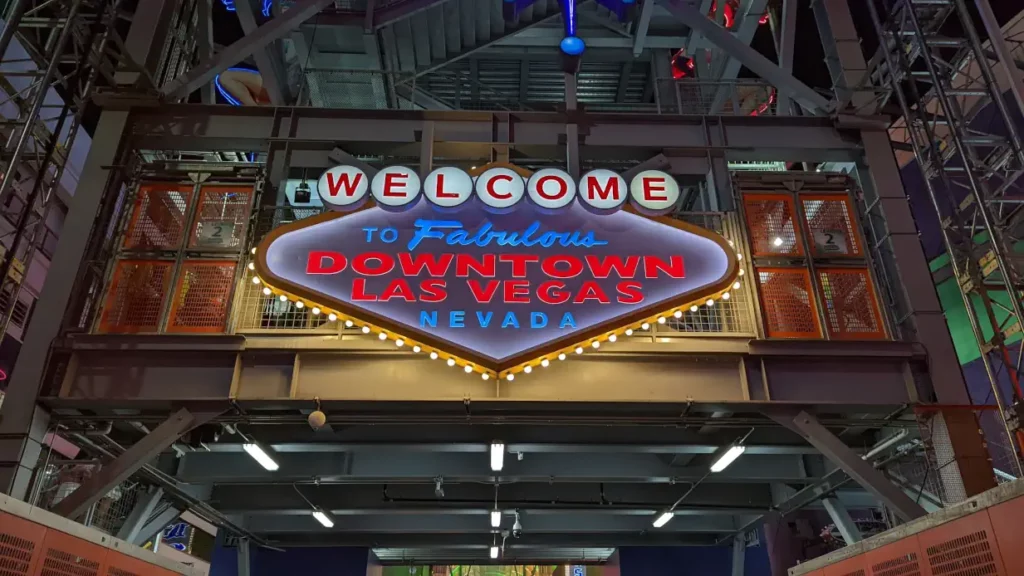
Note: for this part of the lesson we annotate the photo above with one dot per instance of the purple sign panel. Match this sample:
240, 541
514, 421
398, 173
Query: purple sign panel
495, 290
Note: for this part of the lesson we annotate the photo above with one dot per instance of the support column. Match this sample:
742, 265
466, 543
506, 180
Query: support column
146, 37
572, 130
243, 557
23, 425
843, 521
843, 55
153, 527
842, 456
786, 48
144, 508
739, 553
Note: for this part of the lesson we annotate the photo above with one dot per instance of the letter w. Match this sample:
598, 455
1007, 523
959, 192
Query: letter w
333, 186
602, 268
436, 265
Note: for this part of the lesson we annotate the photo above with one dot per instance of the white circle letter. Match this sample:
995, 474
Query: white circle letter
654, 191
500, 187
448, 187
551, 188
343, 187
395, 187
602, 190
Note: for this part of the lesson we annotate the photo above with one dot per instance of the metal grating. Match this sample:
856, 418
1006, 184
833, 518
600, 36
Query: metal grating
222, 218
69, 556
903, 565
201, 297
136, 296
258, 311
786, 304
851, 309
830, 225
158, 217
968, 555
771, 225
18, 545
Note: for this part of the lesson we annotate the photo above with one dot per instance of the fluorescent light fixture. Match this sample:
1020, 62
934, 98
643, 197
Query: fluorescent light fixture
728, 457
663, 519
495, 518
323, 518
494, 552
260, 455
497, 455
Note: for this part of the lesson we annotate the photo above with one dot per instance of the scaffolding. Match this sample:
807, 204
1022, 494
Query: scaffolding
54, 54
942, 82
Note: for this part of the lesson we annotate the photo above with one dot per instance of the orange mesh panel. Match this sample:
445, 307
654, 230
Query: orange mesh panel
851, 309
963, 547
158, 217
831, 225
850, 567
136, 296
222, 217
123, 565
65, 555
201, 297
1005, 520
786, 304
21, 545
770, 223
901, 558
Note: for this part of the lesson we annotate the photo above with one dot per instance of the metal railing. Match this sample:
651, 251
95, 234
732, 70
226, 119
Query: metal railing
459, 90
56, 480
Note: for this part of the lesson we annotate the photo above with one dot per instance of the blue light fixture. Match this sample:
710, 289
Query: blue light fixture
572, 45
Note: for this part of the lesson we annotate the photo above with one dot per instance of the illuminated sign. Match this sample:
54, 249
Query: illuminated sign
498, 273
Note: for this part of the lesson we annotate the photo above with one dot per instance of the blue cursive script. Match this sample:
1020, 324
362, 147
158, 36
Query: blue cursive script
454, 234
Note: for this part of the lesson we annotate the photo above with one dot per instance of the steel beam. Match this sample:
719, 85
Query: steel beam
1014, 75
787, 46
783, 81
204, 44
154, 525
113, 473
739, 553
140, 514
642, 25
842, 519
244, 558
748, 23
185, 84
269, 65
518, 548
839, 453
596, 39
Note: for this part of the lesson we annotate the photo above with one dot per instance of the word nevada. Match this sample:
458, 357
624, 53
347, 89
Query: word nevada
498, 189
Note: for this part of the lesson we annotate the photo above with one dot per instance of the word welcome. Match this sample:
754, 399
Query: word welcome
500, 189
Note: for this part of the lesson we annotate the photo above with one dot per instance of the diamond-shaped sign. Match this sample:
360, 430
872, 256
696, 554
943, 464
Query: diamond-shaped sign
496, 290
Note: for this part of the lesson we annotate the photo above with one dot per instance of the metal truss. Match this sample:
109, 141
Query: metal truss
54, 54
941, 83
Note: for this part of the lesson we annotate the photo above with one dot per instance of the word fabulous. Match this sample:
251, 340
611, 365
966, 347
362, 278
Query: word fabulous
498, 189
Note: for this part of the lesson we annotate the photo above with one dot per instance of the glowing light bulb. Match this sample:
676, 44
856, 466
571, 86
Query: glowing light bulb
283, 298
736, 285
741, 272
433, 355
451, 361
544, 363
252, 265
777, 242
710, 302
332, 316
366, 329
510, 377
266, 291
561, 356
613, 338
416, 349
382, 336
725, 296
300, 304
255, 279
528, 369
315, 311
739, 256
661, 319
678, 314
484, 376
399, 342
579, 350
629, 331
595, 344
348, 324
253, 250
693, 308
645, 326
468, 369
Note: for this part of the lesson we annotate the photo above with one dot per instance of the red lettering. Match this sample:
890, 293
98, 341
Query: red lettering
493, 192
591, 291
433, 291
335, 262
359, 291
572, 266
483, 295
603, 267
629, 292
610, 189
440, 189
654, 185
392, 179
436, 266
486, 267
334, 186
519, 262
563, 187
384, 264
517, 292
399, 288
674, 267
553, 292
